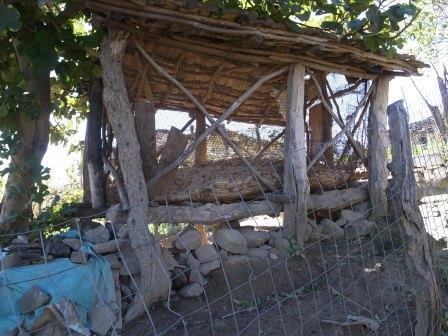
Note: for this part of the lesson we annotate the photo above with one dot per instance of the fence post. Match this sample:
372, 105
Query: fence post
377, 139
418, 259
295, 184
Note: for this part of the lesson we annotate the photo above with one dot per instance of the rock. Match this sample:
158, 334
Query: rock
192, 290
33, 298
113, 260
188, 240
129, 263
134, 283
117, 218
79, 257
307, 232
182, 258
207, 267
236, 261
318, 237
282, 244
73, 243
179, 279
223, 255
351, 216
47, 317
254, 238
20, 239
359, 229
101, 319
72, 320
98, 235
125, 291
331, 229
341, 222
112, 246
274, 234
53, 330
195, 273
10, 260
206, 253
170, 262
314, 226
57, 249
273, 254
230, 240
257, 252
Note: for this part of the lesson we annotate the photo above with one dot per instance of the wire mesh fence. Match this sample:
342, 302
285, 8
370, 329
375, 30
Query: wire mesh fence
232, 270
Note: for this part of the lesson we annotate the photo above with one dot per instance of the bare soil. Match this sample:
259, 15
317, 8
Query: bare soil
294, 296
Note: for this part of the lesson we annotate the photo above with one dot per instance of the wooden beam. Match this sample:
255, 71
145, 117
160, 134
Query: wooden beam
331, 142
378, 142
418, 256
200, 154
335, 117
295, 180
212, 213
145, 124
215, 124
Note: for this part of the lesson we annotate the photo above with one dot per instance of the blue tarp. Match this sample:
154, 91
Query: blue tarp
60, 278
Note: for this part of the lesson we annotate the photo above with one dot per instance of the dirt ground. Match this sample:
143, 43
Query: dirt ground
294, 296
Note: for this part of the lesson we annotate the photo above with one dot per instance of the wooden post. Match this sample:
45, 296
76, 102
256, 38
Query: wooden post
377, 151
296, 185
145, 125
418, 258
200, 154
155, 280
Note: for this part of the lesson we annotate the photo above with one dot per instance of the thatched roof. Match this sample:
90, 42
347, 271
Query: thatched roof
217, 54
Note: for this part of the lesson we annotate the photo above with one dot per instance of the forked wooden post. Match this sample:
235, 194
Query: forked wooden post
378, 143
296, 185
418, 257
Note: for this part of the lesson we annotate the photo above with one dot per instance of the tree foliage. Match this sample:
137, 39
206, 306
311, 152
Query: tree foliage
56, 39
379, 24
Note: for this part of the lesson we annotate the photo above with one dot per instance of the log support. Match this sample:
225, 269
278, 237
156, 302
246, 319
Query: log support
378, 143
156, 280
200, 154
296, 184
418, 257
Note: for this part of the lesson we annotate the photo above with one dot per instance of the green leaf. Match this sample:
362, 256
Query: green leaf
355, 24
9, 18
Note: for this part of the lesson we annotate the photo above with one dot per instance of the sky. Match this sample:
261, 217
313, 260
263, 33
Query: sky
58, 158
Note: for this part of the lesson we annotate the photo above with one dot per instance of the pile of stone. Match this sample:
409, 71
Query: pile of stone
187, 258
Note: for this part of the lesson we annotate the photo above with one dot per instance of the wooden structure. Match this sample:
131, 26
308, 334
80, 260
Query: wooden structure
221, 65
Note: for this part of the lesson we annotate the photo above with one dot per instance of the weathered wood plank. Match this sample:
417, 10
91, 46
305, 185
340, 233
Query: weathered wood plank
378, 143
295, 180
212, 213
418, 258
145, 124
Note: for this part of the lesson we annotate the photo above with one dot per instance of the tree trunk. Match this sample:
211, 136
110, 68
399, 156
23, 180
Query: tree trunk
93, 159
145, 124
155, 281
34, 132
418, 258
